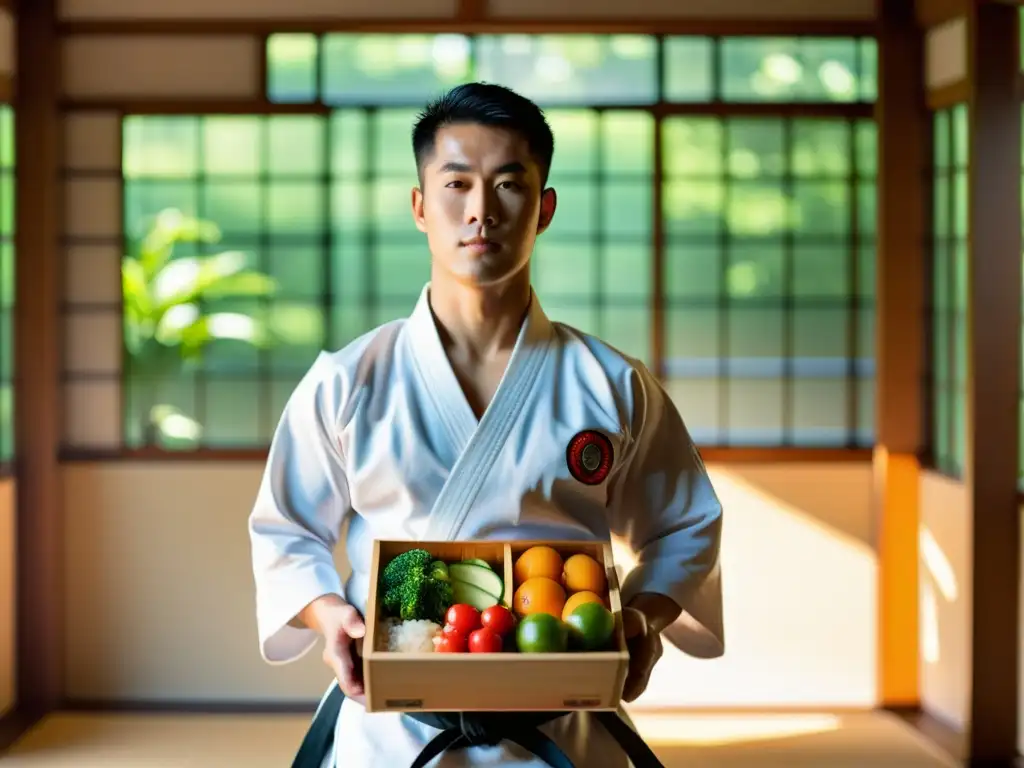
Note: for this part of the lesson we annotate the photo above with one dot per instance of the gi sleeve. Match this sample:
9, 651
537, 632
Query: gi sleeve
302, 501
664, 508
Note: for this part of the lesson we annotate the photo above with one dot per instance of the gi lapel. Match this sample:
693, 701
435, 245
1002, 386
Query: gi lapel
477, 444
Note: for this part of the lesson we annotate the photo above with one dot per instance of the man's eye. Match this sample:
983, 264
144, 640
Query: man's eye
508, 185
453, 184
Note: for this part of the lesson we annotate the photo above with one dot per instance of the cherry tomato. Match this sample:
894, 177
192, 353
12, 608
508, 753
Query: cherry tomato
485, 641
451, 641
498, 619
464, 618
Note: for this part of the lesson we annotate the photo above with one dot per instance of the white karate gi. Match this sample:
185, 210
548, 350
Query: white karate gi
382, 436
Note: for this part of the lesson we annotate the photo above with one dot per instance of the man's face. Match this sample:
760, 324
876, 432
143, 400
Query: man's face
481, 204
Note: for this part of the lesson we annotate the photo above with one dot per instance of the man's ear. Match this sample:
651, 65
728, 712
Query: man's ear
548, 202
417, 209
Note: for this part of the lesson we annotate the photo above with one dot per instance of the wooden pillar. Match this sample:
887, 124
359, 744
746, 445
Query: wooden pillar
38, 350
899, 332
993, 389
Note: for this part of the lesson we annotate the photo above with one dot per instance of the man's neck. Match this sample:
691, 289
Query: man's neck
479, 324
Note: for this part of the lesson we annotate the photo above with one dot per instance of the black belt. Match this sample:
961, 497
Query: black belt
461, 730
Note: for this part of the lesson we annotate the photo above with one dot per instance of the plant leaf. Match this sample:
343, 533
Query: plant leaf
138, 326
170, 227
237, 327
183, 326
175, 322
134, 287
183, 279
247, 284
165, 328
174, 425
192, 279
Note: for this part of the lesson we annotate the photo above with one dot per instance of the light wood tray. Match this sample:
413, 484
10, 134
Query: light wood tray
479, 682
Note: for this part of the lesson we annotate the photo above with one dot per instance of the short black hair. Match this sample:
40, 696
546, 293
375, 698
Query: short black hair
485, 104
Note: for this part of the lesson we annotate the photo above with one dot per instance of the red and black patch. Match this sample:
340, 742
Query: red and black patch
589, 457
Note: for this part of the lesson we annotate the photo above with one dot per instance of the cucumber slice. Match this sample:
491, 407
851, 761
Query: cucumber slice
478, 561
468, 594
483, 579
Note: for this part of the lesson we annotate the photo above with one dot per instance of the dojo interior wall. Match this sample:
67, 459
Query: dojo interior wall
945, 560
159, 602
7, 614
160, 599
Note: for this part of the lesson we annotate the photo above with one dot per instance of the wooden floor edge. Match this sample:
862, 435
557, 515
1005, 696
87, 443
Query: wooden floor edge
950, 740
234, 707
184, 707
14, 724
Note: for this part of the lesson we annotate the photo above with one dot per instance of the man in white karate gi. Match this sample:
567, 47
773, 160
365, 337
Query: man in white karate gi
477, 417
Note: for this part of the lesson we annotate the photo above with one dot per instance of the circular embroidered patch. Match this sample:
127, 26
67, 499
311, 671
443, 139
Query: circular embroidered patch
589, 457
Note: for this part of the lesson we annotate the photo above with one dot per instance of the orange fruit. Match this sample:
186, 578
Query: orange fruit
582, 573
577, 600
539, 595
538, 561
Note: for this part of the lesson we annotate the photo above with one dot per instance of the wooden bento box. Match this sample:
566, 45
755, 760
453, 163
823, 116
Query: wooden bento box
571, 678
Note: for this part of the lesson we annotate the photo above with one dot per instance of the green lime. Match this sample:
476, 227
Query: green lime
591, 626
542, 633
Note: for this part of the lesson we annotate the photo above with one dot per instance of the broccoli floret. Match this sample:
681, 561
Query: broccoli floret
414, 588
393, 601
414, 561
437, 599
419, 597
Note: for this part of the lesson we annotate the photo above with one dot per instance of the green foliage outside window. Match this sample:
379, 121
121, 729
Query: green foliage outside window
769, 221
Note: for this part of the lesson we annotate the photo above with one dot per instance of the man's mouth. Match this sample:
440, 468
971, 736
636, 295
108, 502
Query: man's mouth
480, 244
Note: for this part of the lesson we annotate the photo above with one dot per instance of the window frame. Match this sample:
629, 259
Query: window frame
661, 110
8, 431
941, 109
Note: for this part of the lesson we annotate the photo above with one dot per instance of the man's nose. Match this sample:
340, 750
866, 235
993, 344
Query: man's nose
483, 207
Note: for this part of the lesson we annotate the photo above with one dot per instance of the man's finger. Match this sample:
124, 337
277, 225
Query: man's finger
349, 681
636, 685
352, 622
644, 653
634, 624
627, 689
339, 658
633, 680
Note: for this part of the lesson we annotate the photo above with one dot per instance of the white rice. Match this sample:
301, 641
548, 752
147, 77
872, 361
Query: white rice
411, 636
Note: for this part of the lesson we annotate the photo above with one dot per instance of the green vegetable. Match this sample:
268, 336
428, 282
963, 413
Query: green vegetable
414, 588
470, 594
481, 577
439, 570
395, 572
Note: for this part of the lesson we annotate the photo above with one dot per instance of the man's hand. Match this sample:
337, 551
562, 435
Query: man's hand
642, 623
342, 629
644, 651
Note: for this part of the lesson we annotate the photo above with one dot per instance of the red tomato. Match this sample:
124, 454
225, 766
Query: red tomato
484, 641
464, 618
451, 641
498, 619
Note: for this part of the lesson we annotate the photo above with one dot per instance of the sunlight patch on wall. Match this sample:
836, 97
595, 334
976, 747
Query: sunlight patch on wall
800, 613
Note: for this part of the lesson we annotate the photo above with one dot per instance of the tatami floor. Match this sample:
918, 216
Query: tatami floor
861, 740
